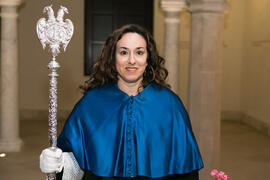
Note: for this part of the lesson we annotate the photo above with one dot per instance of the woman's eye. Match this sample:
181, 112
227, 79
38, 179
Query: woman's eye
123, 52
140, 52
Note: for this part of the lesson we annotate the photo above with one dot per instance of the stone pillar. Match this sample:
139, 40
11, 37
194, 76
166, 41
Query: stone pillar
9, 115
172, 9
204, 98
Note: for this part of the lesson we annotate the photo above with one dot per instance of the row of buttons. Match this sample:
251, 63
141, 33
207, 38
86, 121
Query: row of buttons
129, 135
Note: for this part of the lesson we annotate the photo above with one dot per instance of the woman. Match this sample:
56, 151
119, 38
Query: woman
129, 124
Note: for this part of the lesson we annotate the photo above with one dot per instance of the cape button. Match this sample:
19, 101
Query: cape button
131, 99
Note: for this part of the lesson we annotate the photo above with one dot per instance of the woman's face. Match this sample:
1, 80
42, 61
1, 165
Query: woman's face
131, 58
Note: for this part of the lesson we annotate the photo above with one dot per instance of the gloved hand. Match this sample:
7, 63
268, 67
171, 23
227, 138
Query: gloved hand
51, 160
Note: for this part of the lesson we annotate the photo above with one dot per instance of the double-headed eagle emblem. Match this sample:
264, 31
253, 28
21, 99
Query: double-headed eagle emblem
54, 31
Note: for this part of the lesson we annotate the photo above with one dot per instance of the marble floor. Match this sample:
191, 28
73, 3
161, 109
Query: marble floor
245, 153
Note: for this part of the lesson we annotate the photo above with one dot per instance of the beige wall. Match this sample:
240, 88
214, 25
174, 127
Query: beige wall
246, 64
256, 61
232, 56
184, 42
158, 26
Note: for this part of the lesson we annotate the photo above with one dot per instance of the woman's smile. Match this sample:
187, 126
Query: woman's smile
131, 69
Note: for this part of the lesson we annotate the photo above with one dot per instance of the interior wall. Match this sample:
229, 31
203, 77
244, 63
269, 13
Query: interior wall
184, 50
246, 65
158, 27
233, 56
256, 62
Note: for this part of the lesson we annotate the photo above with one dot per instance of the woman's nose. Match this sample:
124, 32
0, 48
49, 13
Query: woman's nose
132, 59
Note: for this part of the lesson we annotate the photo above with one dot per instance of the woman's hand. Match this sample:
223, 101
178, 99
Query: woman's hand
51, 160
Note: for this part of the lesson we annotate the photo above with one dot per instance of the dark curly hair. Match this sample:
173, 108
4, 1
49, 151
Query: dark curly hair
104, 71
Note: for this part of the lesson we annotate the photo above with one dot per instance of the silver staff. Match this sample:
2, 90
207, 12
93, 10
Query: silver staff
54, 32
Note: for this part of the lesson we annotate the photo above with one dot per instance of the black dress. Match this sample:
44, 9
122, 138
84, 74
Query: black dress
194, 175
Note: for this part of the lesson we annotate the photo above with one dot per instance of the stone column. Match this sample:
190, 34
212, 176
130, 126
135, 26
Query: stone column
172, 9
9, 115
204, 98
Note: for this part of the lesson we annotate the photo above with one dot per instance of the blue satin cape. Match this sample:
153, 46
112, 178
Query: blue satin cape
113, 134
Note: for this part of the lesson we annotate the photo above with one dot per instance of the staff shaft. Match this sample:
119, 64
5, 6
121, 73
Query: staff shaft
53, 67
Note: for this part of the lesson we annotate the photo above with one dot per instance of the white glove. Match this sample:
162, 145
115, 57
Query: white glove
51, 160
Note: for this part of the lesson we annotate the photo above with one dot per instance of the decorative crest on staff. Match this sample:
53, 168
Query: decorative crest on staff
54, 32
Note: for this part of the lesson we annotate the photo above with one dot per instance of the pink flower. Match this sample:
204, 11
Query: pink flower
219, 175
214, 172
225, 177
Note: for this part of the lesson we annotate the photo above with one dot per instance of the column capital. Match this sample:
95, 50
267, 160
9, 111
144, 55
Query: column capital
10, 2
211, 6
172, 5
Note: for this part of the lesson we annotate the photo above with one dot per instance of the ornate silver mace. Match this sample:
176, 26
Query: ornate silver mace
54, 32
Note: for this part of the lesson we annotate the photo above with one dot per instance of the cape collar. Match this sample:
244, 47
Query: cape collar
141, 94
